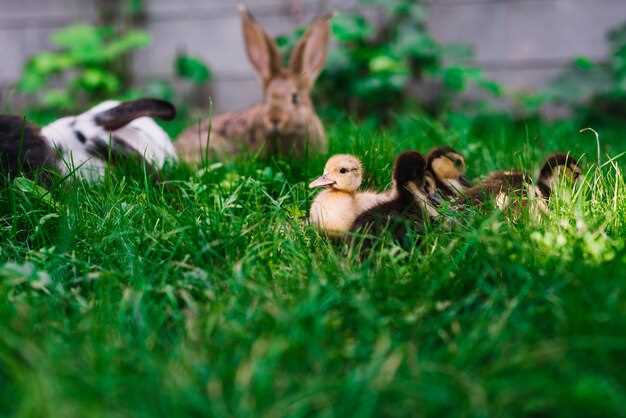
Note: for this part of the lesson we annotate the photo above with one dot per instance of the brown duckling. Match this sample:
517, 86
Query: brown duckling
447, 168
556, 166
503, 185
500, 185
407, 201
335, 209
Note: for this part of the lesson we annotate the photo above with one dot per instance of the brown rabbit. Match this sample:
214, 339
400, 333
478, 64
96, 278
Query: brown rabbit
285, 122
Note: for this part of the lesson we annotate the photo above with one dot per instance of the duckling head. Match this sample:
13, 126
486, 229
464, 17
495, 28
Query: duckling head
409, 166
430, 187
446, 164
343, 172
409, 173
558, 166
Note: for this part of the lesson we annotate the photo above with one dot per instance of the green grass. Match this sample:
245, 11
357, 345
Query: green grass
210, 296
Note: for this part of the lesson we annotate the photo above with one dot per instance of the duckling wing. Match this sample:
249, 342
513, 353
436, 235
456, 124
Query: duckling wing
495, 184
398, 215
367, 200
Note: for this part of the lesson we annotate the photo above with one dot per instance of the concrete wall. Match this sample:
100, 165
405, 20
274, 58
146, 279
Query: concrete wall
520, 43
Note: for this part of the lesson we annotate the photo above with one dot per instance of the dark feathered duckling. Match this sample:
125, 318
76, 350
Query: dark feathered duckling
23, 151
504, 185
409, 202
447, 168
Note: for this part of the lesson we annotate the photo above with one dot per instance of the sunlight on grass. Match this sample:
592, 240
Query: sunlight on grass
209, 294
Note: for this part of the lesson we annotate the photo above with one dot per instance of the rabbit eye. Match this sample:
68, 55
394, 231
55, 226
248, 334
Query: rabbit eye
295, 99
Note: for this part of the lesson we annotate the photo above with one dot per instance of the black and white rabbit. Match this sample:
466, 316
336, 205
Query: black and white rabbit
86, 143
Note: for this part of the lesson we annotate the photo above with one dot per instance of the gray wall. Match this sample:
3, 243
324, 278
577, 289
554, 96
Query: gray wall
521, 43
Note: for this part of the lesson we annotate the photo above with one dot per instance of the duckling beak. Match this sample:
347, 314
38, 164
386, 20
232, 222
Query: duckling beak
322, 181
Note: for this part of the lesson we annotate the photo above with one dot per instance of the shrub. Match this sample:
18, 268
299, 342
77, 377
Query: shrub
592, 89
85, 69
371, 69
90, 65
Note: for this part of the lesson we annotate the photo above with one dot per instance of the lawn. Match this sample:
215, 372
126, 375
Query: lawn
209, 295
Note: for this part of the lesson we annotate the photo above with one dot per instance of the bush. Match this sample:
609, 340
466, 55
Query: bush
371, 69
91, 65
593, 90
84, 70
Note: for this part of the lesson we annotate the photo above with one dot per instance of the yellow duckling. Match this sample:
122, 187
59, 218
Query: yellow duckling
335, 209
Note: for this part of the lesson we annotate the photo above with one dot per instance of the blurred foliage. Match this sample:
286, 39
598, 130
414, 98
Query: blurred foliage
83, 70
89, 66
593, 89
375, 67
383, 62
193, 69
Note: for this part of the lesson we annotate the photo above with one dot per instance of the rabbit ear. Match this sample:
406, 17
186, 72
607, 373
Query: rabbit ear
309, 55
126, 112
261, 48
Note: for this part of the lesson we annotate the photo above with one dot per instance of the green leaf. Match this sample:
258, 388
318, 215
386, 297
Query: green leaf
79, 37
193, 69
282, 40
350, 28
135, 6
385, 63
47, 63
57, 99
490, 86
96, 79
583, 63
31, 82
454, 78
533, 102
378, 86
416, 44
131, 41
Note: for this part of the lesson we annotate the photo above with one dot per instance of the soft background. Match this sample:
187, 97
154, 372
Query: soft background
520, 43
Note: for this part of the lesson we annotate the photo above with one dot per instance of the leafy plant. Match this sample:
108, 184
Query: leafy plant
592, 88
84, 70
192, 69
373, 68
88, 67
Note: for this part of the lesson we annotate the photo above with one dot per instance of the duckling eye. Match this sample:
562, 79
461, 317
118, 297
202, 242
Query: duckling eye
343, 170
